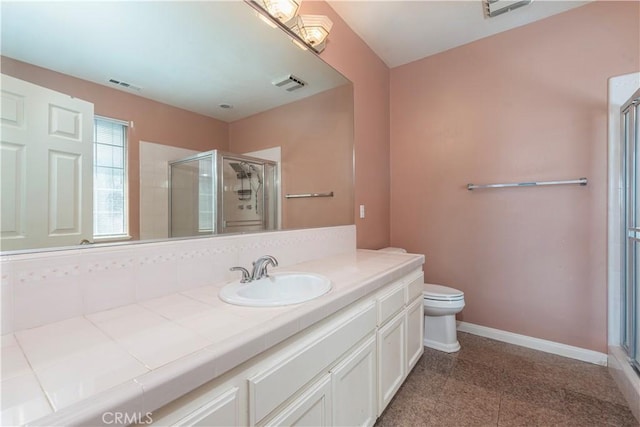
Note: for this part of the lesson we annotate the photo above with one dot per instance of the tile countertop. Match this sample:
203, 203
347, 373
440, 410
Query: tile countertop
139, 357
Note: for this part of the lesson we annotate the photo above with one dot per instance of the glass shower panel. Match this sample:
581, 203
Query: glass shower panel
206, 212
191, 197
270, 195
635, 129
217, 192
630, 287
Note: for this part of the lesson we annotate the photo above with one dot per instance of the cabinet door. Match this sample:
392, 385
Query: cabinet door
415, 332
221, 411
271, 387
354, 387
391, 359
311, 408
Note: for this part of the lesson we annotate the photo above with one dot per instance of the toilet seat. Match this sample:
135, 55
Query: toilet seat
441, 293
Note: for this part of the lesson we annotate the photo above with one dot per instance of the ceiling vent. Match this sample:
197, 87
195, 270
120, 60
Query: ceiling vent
290, 83
498, 7
125, 85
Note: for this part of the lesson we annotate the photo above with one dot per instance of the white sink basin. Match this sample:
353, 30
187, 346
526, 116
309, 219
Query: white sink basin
276, 290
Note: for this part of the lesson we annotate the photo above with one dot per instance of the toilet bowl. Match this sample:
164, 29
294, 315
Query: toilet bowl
441, 304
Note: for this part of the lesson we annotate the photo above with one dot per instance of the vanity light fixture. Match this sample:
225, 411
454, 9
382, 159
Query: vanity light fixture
284, 11
313, 29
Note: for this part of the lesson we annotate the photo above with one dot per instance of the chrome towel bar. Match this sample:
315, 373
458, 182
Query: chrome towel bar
301, 196
581, 181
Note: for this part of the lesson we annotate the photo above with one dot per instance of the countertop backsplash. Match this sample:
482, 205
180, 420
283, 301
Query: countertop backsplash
46, 287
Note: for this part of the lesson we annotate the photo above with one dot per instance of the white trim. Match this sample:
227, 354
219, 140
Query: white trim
112, 120
535, 343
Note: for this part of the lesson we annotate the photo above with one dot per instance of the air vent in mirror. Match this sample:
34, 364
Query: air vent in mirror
290, 83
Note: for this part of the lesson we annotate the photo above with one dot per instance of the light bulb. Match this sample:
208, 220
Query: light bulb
282, 10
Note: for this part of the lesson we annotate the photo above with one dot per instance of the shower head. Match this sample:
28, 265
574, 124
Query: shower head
241, 170
255, 170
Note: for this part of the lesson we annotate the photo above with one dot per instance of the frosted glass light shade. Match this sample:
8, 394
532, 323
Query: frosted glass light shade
314, 29
283, 10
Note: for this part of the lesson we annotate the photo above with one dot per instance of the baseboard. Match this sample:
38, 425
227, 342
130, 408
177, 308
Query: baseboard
535, 343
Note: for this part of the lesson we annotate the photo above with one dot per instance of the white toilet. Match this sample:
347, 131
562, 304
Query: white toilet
440, 307
441, 304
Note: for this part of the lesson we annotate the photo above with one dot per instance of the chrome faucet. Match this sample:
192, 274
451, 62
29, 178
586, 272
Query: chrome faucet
260, 266
259, 269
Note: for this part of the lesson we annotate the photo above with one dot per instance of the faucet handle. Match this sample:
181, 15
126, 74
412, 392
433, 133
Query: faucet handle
245, 274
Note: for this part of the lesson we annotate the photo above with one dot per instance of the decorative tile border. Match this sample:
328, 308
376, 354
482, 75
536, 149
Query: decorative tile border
40, 288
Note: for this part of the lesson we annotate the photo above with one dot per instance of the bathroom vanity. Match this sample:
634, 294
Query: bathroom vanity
335, 360
342, 371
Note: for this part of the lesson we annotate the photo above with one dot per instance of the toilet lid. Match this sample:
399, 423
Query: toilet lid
441, 293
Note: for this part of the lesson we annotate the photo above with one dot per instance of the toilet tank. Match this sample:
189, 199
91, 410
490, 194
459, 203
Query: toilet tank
396, 250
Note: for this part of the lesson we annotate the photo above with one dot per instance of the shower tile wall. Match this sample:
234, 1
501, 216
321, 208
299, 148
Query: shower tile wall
154, 188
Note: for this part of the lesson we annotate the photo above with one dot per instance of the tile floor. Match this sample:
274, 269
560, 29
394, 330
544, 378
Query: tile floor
491, 383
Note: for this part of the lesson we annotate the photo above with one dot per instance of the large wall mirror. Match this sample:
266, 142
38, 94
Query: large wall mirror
100, 99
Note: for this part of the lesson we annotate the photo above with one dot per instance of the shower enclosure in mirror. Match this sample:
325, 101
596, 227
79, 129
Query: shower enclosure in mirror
217, 192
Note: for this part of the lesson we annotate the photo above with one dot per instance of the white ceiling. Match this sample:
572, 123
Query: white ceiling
403, 31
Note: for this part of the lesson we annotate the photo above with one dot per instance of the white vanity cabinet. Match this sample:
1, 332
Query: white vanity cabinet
223, 410
217, 403
354, 386
341, 371
280, 377
415, 332
311, 408
399, 336
391, 359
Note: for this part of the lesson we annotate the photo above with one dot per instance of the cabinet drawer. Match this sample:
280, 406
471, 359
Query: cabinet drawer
271, 388
390, 303
415, 288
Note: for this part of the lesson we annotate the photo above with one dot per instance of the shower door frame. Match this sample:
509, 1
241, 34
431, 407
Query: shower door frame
221, 221
217, 160
630, 248
214, 171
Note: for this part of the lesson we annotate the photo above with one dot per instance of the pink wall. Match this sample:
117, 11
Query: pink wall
348, 54
315, 135
153, 121
527, 104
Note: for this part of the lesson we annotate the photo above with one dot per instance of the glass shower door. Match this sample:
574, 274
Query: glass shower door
191, 204
630, 288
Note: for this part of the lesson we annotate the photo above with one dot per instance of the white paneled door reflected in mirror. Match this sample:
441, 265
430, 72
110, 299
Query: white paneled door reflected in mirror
176, 79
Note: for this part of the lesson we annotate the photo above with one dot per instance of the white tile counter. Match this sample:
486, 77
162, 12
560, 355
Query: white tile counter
140, 357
